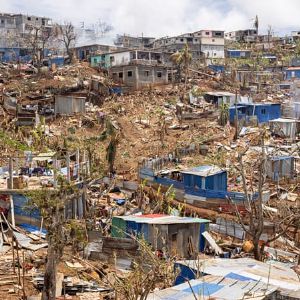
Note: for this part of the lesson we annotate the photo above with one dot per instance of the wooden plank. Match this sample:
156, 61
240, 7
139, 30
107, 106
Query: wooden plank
212, 243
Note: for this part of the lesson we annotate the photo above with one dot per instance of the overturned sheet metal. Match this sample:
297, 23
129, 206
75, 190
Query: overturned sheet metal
27, 243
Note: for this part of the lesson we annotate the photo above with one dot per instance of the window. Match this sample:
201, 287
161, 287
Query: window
263, 111
213, 40
121, 75
207, 33
29, 18
36, 19
218, 33
181, 40
196, 40
112, 59
159, 74
146, 73
129, 74
95, 60
2, 21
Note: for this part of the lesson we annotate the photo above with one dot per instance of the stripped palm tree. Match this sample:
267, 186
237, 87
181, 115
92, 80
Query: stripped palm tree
224, 114
112, 134
183, 59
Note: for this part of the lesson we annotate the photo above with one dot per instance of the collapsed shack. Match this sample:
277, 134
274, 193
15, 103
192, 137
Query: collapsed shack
285, 128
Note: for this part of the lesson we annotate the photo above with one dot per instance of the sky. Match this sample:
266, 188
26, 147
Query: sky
166, 17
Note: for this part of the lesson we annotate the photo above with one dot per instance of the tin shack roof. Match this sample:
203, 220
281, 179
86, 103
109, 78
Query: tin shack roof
203, 171
283, 120
274, 273
215, 287
220, 94
162, 219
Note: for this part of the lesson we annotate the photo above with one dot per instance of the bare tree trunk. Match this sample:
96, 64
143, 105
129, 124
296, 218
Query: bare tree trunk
49, 289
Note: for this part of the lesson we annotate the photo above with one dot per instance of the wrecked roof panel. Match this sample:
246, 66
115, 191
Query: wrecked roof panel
273, 273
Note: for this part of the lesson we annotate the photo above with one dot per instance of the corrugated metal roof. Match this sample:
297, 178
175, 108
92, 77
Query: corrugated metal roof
203, 171
215, 287
220, 94
282, 120
164, 219
274, 273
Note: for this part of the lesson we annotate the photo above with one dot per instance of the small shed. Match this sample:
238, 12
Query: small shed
286, 128
217, 98
178, 235
69, 105
264, 112
280, 167
206, 178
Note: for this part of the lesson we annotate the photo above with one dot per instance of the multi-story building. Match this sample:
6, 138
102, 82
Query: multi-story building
131, 42
14, 32
247, 35
211, 43
135, 69
203, 43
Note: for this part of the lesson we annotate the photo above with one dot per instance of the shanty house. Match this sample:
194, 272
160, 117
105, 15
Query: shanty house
286, 128
218, 98
264, 112
69, 105
206, 178
179, 235
280, 167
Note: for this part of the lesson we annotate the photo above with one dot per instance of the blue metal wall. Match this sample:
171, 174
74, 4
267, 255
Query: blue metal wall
238, 54
217, 68
264, 113
216, 182
289, 73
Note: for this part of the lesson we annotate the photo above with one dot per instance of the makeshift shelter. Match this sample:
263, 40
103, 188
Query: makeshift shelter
263, 112
206, 178
286, 128
279, 167
69, 105
179, 235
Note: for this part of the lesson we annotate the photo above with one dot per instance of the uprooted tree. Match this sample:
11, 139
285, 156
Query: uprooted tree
254, 205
